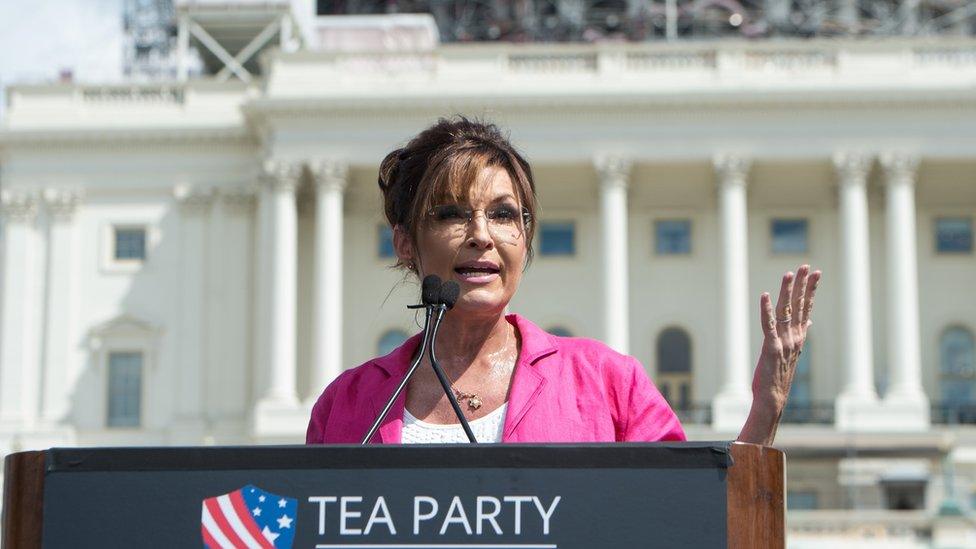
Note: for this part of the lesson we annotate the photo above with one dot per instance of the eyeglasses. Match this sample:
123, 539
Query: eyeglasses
504, 221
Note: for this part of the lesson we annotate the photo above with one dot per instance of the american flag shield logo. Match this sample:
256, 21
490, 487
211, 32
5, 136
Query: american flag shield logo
249, 517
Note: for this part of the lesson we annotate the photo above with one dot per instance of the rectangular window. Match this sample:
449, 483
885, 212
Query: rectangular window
954, 235
672, 237
557, 238
124, 389
130, 243
789, 236
385, 241
801, 500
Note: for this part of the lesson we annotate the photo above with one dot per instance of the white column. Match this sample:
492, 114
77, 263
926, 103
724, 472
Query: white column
856, 407
614, 173
261, 327
60, 369
195, 207
905, 397
282, 178
330, 181
730, 408
17, 353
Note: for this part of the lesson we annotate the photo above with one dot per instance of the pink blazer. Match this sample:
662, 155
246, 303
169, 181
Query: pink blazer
564, 389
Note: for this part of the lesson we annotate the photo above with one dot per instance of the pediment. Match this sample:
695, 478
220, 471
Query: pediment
125, 326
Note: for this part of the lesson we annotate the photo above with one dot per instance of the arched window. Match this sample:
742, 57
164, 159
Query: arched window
560, 331
674, 367
957, 366
390, 340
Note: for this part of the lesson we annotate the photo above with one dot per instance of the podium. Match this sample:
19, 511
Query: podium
491, 496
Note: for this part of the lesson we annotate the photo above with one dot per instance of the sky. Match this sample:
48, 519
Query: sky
39, 38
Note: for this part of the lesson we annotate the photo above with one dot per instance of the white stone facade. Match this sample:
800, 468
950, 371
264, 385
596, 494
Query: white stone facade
262, 279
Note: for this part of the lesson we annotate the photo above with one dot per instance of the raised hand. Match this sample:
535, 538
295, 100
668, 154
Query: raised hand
784, 332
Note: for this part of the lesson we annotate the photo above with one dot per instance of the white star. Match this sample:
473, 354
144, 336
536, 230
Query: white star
269, 535
285, 521
261, 499
257, 511
282, 503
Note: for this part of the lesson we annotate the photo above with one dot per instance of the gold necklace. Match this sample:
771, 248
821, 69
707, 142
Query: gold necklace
474, 401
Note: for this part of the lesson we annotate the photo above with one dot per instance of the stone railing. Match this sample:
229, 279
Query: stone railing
142, 93
714, 61
851, 525
819, 413
696, 414
953, 414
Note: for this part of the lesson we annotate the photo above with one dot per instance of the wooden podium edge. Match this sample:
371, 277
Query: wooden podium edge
23, 499
756, 507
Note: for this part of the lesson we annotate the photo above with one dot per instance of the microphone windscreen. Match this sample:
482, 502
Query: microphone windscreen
450, 292
430, 292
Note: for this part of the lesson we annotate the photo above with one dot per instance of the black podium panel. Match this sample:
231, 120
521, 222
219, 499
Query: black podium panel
485, 496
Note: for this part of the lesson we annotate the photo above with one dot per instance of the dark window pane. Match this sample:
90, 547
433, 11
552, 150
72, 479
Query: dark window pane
954, 235
557, 238
957, 366
684, 402
674, 351
800, 395
390, 341
386, 242
124, 389
672, 237
130, 244
801, 500
789, 236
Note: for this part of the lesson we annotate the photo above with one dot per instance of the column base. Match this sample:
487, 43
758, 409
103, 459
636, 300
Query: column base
187, 432
860, 413
279, 420
42, 437
730, 411
908, 412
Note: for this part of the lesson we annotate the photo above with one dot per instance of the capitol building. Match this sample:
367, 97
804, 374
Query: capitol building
190, 260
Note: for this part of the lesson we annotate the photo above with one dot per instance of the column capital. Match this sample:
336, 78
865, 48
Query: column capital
194, 200
613, 170
853, 167
240, 199
899, 167
18, 205
330, 174
281, 175
62, 203
732, 169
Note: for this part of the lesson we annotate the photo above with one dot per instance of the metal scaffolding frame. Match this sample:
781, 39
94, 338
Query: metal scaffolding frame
645, 20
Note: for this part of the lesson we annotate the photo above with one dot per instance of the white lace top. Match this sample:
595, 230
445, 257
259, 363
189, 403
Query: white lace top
486, 429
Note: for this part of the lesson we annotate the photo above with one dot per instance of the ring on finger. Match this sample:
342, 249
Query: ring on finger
785, 320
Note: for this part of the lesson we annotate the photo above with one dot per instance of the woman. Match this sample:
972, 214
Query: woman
462, 205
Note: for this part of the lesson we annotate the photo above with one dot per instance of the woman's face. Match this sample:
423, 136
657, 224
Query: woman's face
484, 254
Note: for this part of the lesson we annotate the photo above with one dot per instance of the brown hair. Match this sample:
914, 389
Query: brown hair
441, 163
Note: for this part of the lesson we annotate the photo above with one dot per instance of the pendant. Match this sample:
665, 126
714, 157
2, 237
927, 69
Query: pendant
474, 402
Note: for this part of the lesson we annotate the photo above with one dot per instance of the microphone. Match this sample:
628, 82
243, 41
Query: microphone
430, 295
449, 294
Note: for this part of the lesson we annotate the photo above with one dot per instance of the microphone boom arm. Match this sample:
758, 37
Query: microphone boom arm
443, 378
403, 384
